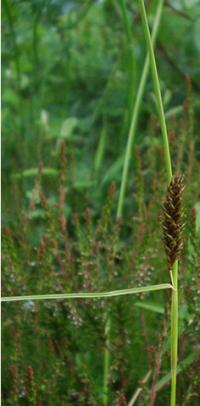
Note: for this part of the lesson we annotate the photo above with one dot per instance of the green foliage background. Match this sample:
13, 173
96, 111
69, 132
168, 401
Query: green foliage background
70, 74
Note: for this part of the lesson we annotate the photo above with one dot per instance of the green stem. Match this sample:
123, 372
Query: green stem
89, 295
106, 361
157, 92
174, 304
134, 120
131, 59
126, 21
16, 53
174, 333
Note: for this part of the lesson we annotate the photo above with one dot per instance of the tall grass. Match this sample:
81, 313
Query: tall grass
168, 170
135, 115
127, 157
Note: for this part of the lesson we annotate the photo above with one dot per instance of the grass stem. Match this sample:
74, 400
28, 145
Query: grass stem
156, 84
106, 361
168, 165
135, 114
174, 334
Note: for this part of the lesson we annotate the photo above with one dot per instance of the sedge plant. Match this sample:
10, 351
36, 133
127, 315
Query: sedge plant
172, 209
171, 222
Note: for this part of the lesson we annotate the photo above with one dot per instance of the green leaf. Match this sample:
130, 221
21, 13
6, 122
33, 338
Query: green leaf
100, 150
90, 295
181, 366
113, 170
154, 307
190, 3
197, 34
37, 214
85, 184
68, 127
174, 112
32, 172
197, 208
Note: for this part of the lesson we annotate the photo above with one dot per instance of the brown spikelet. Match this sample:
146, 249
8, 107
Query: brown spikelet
172, 220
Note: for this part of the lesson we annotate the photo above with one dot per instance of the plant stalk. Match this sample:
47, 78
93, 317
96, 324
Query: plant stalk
156, 84
106, 362
174, 333
168, 165
132, 61
135, 114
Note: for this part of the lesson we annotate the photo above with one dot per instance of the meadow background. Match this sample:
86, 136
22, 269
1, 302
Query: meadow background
70, 73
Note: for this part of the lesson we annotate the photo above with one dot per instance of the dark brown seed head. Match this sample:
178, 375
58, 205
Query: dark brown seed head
172, 220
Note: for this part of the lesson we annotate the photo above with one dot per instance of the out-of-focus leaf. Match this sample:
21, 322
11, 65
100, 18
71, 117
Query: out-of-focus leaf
113, 170
33, 194
37, 214
29, 173
100, 150
153, 307
197, 208
10, 97
181, 366
83, 184
173, 112
190, 3
68, 127
197, 34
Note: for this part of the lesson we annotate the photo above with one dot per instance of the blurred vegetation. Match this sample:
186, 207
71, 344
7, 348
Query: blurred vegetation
70, 74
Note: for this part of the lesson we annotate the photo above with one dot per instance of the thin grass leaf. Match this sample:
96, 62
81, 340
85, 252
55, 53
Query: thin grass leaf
100, 150
89, 295
181, 366
153, 307
32, 172
157, 91
136, 110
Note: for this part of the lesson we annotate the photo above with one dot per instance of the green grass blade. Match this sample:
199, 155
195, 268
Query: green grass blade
181, 366
106, 365
157, 92
136, 109
166, 378
168, 169
153, 307
100, 149
83, 295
